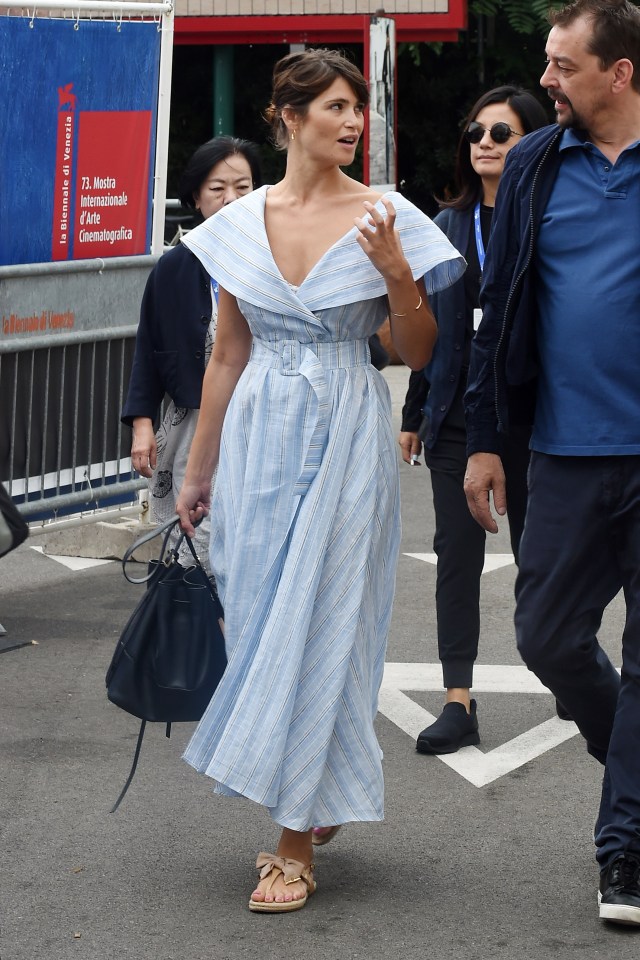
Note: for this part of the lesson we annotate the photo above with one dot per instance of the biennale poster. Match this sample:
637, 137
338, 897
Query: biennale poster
78, 116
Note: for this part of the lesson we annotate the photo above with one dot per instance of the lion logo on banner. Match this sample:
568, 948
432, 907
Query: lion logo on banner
66, 99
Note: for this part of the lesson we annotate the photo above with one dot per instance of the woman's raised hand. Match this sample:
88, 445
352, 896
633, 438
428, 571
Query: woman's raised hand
380, 240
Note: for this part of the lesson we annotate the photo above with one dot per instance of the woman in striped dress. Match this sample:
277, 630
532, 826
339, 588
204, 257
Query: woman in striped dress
305, 516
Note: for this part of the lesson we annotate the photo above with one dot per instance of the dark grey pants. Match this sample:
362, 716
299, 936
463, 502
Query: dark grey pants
459, 544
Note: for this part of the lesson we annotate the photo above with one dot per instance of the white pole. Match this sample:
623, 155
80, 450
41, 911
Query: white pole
162, 134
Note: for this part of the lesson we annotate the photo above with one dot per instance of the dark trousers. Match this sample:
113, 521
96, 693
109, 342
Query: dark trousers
459, 544
580, 546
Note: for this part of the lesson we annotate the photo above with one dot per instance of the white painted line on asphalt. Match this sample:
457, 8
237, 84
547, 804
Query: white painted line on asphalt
487, 678
492, 561
73, 563
476, 766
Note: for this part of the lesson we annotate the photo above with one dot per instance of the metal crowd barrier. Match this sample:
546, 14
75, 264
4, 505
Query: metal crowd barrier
61, 402
65, 362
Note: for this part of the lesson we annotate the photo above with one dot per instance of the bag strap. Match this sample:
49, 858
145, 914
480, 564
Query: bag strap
196, 558
133, 768
197, 563
135, 764
167, 529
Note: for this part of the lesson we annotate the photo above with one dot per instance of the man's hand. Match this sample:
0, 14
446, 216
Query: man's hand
484, 473
410, 446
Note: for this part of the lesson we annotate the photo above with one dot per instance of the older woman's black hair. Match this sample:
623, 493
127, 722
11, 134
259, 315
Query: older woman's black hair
207, 156
299, 78
531, 114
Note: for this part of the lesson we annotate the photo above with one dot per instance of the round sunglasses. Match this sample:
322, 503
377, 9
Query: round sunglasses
500, 132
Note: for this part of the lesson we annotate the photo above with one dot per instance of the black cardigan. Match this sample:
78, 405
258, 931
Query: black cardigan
174, 318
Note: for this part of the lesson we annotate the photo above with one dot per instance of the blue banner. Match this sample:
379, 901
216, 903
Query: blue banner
78, 120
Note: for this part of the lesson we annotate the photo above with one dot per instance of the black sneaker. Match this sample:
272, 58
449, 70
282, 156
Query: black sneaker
453, 729
619, 894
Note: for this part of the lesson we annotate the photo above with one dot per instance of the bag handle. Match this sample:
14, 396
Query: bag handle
172, 556
167, 529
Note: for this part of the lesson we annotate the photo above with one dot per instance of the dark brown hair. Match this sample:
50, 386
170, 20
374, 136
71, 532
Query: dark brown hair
615, 30
301, 77
531, 115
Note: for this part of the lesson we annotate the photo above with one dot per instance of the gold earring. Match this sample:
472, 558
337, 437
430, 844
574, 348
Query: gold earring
293, 134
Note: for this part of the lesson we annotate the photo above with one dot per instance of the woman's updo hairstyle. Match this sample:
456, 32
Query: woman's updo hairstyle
301, 77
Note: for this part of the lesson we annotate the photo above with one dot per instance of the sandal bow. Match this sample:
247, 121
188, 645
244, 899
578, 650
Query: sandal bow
292, 870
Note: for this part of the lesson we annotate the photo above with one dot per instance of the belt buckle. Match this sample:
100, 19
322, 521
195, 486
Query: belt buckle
290, 358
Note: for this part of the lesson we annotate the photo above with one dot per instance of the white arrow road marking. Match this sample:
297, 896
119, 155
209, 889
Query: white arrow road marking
73, 563
492, 561
471, 763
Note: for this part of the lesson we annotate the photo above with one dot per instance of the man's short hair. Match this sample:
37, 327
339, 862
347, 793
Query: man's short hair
615, 30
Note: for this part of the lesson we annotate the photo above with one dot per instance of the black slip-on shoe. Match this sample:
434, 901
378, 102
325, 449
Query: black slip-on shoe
453, 729
619, 894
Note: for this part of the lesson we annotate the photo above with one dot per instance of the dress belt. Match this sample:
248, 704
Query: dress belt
291, 355
311, 360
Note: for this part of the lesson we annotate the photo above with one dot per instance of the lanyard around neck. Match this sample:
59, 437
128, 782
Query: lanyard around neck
479, 241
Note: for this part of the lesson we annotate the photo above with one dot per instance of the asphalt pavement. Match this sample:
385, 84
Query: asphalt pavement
488, 857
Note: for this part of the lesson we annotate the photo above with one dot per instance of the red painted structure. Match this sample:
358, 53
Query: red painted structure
318, 28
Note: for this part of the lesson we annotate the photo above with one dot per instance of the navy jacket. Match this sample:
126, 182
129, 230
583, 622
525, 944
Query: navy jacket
504, 358
174, 318
433, 390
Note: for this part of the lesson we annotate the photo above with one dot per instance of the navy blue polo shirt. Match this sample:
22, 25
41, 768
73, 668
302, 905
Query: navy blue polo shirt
588, 290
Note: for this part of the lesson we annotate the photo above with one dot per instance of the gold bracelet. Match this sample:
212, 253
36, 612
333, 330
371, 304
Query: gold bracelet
404, 314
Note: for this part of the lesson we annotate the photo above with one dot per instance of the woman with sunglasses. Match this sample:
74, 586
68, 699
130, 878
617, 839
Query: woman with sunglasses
433, 414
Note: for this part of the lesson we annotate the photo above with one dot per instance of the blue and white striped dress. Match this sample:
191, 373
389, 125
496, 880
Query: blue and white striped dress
305, 522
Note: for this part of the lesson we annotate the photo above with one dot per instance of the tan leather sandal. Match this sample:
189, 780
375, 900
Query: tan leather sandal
322, 835
270, 865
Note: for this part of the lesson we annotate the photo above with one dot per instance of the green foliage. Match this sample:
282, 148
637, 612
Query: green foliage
524, 16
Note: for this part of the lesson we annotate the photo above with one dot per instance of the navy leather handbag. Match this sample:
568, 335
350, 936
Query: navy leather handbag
171, 654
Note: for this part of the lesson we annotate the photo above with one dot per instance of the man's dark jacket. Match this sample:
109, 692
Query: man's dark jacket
174, 319
504, 357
